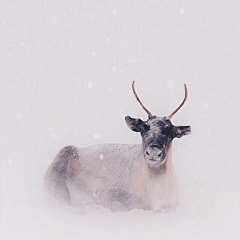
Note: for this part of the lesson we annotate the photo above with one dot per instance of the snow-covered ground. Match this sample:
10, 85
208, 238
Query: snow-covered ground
66, 73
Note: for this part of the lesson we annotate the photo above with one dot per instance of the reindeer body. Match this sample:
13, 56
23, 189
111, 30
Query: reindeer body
122, 176
113, 175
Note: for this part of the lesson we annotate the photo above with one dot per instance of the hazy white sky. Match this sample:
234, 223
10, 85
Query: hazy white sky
66, 73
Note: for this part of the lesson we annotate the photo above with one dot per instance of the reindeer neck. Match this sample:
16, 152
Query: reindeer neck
152, 184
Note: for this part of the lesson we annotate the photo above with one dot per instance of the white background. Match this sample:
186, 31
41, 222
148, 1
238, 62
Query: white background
66, 69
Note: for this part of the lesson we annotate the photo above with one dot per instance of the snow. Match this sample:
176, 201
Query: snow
52, 57
114, 69
181, 10
114, 12
90, 85
170, 84
94, 53
10, 161
93, 17
96, 136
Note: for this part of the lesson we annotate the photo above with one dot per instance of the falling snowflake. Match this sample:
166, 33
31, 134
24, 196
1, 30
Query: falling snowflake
96, 136
189, 189
53, 136
110, 90
181, 11
94, 54
93, 17
119, 111
90, 85
101, 156
193, 209
114, 12
53, 21
114, 69
170, 84
205, 106
19, 116
48, 161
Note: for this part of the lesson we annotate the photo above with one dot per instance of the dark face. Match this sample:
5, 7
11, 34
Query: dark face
157, 134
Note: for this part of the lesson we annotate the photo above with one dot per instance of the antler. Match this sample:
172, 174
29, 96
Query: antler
184, 100
133, 88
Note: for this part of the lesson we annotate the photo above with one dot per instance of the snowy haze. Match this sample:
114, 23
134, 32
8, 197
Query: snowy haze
66, 73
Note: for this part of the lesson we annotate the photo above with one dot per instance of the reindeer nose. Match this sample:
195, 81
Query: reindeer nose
153, 152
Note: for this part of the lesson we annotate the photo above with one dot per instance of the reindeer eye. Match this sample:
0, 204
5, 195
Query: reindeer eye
145, 128
167, 130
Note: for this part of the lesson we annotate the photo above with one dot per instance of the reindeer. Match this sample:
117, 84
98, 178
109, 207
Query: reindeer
123, 176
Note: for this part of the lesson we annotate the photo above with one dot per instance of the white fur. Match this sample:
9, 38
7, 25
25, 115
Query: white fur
158, 191
125, 168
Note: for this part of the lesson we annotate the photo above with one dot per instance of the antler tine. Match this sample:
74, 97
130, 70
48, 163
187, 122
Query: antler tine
184, 100
133, 88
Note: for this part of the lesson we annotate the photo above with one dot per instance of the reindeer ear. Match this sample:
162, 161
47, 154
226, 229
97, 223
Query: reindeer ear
182, 131
135, 124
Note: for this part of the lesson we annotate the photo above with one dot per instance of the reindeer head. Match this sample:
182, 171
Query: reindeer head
157, 133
